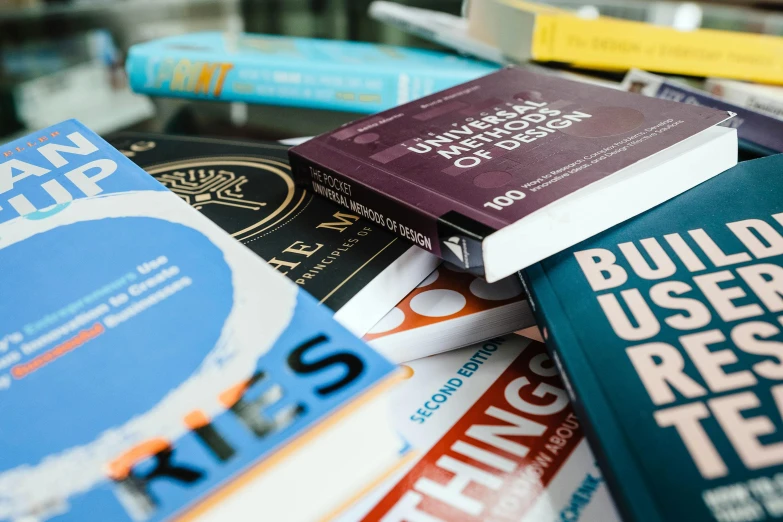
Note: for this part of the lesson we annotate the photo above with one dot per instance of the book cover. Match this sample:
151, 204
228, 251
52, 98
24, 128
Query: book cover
354, 267
450, 170
498, 440
450, 309
150, 365
301, 72
528, 31
755, 130
766, 99
667, 330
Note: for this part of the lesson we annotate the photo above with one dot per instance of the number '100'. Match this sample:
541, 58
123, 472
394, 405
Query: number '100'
503, 201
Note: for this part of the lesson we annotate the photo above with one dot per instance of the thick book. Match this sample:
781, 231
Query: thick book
153, 368
766, 99
354, 267
299, 72
528, 31
667, 330
757, 132
496, 439
498, 173
448, 310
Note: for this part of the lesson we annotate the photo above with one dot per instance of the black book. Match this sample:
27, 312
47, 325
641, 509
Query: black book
354, 267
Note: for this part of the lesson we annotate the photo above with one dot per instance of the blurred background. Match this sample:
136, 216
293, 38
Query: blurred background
64, 58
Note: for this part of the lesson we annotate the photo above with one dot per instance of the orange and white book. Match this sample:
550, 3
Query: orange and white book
496, 438
448, 310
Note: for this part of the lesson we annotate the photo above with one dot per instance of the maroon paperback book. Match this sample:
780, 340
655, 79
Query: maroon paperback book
449, 170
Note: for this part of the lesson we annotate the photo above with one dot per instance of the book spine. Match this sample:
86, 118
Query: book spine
392, 214
441, 235
601, 426
613, 44
308, 83
738, 95
252, 81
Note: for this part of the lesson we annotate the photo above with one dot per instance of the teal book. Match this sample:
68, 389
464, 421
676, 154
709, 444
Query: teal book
667, 330
298, 72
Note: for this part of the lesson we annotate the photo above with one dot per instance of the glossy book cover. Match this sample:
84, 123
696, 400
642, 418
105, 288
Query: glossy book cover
450, 309
448, 170
758, 132
147, 359
300, 72
449, 294
496, 440
668, 329
247, 188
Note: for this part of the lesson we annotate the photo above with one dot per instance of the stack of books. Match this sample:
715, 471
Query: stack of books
206, 329
729, 70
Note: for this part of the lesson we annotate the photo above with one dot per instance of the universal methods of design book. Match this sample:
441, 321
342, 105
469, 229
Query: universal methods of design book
503, 171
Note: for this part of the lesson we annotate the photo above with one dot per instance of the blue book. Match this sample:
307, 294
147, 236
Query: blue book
667, 329
299, 72
152, 367
758, 134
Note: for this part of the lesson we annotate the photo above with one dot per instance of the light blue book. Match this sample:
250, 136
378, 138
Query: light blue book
152, 367
298, 72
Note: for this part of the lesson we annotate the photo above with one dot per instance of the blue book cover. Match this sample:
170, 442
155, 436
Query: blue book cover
148, 360
758, 134
299, 72
668, 331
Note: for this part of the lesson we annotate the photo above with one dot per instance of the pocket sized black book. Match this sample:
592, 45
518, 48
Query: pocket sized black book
352, 266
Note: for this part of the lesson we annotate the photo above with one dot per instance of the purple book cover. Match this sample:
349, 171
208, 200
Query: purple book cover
447, 170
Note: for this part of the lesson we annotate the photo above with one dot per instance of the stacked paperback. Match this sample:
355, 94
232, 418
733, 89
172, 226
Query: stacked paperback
500, 172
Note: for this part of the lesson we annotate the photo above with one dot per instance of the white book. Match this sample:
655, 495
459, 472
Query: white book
494, 437
767, 99
448, 310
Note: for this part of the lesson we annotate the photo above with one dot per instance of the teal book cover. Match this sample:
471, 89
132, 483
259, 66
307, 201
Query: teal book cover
300, 72
667, 329
151, 366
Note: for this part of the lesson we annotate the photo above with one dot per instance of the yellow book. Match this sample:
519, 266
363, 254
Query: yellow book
525, 31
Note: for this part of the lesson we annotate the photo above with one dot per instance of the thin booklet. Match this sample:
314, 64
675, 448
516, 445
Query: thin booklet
498, 173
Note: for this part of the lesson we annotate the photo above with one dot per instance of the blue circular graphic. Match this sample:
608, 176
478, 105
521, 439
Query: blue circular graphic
124, 370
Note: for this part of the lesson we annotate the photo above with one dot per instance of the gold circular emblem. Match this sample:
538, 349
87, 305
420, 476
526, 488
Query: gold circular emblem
244, 195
